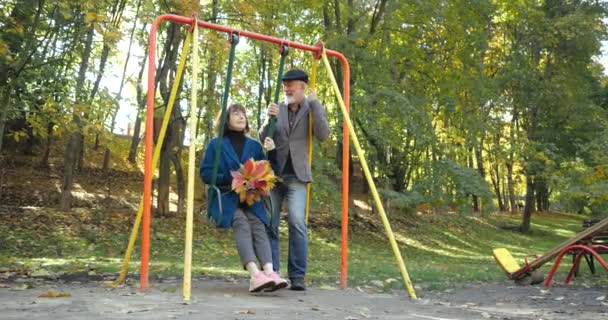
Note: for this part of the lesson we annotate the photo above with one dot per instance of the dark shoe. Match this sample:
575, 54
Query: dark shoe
297, 284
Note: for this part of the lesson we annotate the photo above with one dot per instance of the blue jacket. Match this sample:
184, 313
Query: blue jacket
229, 162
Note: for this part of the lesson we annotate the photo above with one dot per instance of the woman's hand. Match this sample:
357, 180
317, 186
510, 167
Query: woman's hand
269, 144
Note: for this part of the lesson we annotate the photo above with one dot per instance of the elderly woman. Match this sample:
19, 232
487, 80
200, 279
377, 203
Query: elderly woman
247, 221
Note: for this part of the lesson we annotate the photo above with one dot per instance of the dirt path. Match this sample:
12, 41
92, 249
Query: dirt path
216, 298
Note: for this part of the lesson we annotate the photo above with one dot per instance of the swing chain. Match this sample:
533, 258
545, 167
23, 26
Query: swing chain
234, 37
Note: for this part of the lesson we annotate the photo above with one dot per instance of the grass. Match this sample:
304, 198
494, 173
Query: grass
439, 250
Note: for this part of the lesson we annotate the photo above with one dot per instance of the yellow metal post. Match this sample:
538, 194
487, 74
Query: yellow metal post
370, 181
187, 289
313, 83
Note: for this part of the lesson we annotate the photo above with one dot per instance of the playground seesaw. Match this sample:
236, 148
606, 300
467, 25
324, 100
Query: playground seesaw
576, 244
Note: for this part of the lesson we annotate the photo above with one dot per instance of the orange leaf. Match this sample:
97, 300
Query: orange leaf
248, 167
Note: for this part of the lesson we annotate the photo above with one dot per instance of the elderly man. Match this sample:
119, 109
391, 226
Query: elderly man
291, 164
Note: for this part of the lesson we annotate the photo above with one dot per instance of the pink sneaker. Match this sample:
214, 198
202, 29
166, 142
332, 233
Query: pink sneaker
260, 282
279, 283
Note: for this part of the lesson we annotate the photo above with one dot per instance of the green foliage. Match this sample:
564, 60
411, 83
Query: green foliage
582, 189
404, 202
460, 183
444, 95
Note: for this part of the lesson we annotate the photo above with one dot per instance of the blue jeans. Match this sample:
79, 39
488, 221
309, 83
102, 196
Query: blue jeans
294, 192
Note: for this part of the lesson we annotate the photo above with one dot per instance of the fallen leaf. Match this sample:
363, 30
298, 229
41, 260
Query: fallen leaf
54, 294
245, 312
171, 289
20, 287
40, 273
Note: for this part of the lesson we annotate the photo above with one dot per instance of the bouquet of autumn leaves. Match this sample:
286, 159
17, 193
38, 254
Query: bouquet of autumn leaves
253, 180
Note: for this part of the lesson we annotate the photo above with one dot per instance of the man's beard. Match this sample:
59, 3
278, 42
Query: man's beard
290, 99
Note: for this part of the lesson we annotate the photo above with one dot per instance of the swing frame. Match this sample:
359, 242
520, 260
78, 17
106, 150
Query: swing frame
320, 53
317, 50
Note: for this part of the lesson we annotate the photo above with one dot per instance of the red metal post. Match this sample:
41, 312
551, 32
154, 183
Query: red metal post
145, 236
145, 228
345, 177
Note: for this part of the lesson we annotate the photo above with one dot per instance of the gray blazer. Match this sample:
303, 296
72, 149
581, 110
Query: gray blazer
296, 141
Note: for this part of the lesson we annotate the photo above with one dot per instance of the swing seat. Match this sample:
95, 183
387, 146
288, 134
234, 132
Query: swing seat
216, 217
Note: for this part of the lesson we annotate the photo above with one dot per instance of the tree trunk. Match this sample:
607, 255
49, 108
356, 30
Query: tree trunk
141, 102
72, 149
510, 160
181, 183
44, 162
162, 201
505, 195
97, 142
542, 195
106, 160
470, 164
174, 134
379, 10
80, 159
398, 169
529, 206
69, 161
480, 166
496, 183
4, 104
135, 138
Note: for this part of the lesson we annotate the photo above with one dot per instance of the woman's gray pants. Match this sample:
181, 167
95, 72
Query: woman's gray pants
251, 238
